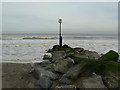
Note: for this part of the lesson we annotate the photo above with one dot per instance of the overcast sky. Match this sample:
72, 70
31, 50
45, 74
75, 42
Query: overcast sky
78, 17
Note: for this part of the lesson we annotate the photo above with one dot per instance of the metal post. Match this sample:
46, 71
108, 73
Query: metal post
60, 37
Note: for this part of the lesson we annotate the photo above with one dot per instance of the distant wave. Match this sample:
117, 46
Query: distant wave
40, 38
105, 37
72, 37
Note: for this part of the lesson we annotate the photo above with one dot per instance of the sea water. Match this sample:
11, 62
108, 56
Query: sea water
15, 49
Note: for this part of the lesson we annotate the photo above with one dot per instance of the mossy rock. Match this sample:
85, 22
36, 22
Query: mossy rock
102, 67
111, 55
69, 52
112, 66
79, 59
78, 50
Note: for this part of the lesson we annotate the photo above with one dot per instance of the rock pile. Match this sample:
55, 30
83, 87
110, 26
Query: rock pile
77, 68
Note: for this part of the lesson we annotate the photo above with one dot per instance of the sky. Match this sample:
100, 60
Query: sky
77, 17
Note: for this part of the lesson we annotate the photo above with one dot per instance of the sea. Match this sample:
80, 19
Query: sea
30, 48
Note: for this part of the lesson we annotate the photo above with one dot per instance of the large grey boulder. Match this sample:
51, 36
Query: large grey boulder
112, 80
39, 72
92, 55
72, 73
88, 55
93, 82
45, 78
58, 54
63, 65
45, 82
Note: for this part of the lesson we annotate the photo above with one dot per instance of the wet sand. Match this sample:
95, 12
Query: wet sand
16, 75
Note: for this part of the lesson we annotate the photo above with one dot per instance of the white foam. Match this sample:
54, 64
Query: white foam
31, 51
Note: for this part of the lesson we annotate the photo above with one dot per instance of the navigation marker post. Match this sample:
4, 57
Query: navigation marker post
60, 37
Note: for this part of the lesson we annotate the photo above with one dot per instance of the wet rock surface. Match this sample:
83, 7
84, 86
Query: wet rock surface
63, 65
93, 82
39, 72
77, 68
45, 82
112, 80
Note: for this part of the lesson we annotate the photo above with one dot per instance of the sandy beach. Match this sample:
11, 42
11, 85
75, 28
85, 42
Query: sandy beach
16, 75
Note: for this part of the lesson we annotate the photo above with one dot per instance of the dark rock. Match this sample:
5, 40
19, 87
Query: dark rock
69, 52
92, 55
59, 48
66, 87
45, 82
72, 73
102, 67
47, 65
66, 46
56, 47
58, 55
47, 57
49, 51
83, 55
112, 80
39, 72
63, 65
65, 80
110, 56
88, 55
93, 82
78, 50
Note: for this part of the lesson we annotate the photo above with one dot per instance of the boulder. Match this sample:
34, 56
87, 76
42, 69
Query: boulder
56, 47
69, 52
93, 82
59, 48
112, 80
63, 65
92, 55
49, 51
66, 46
47, 57
58, 55
66, 87
102, 67
72, 73
47, 65
39, 72
84, 55
78, 50
45, 82
111, 55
